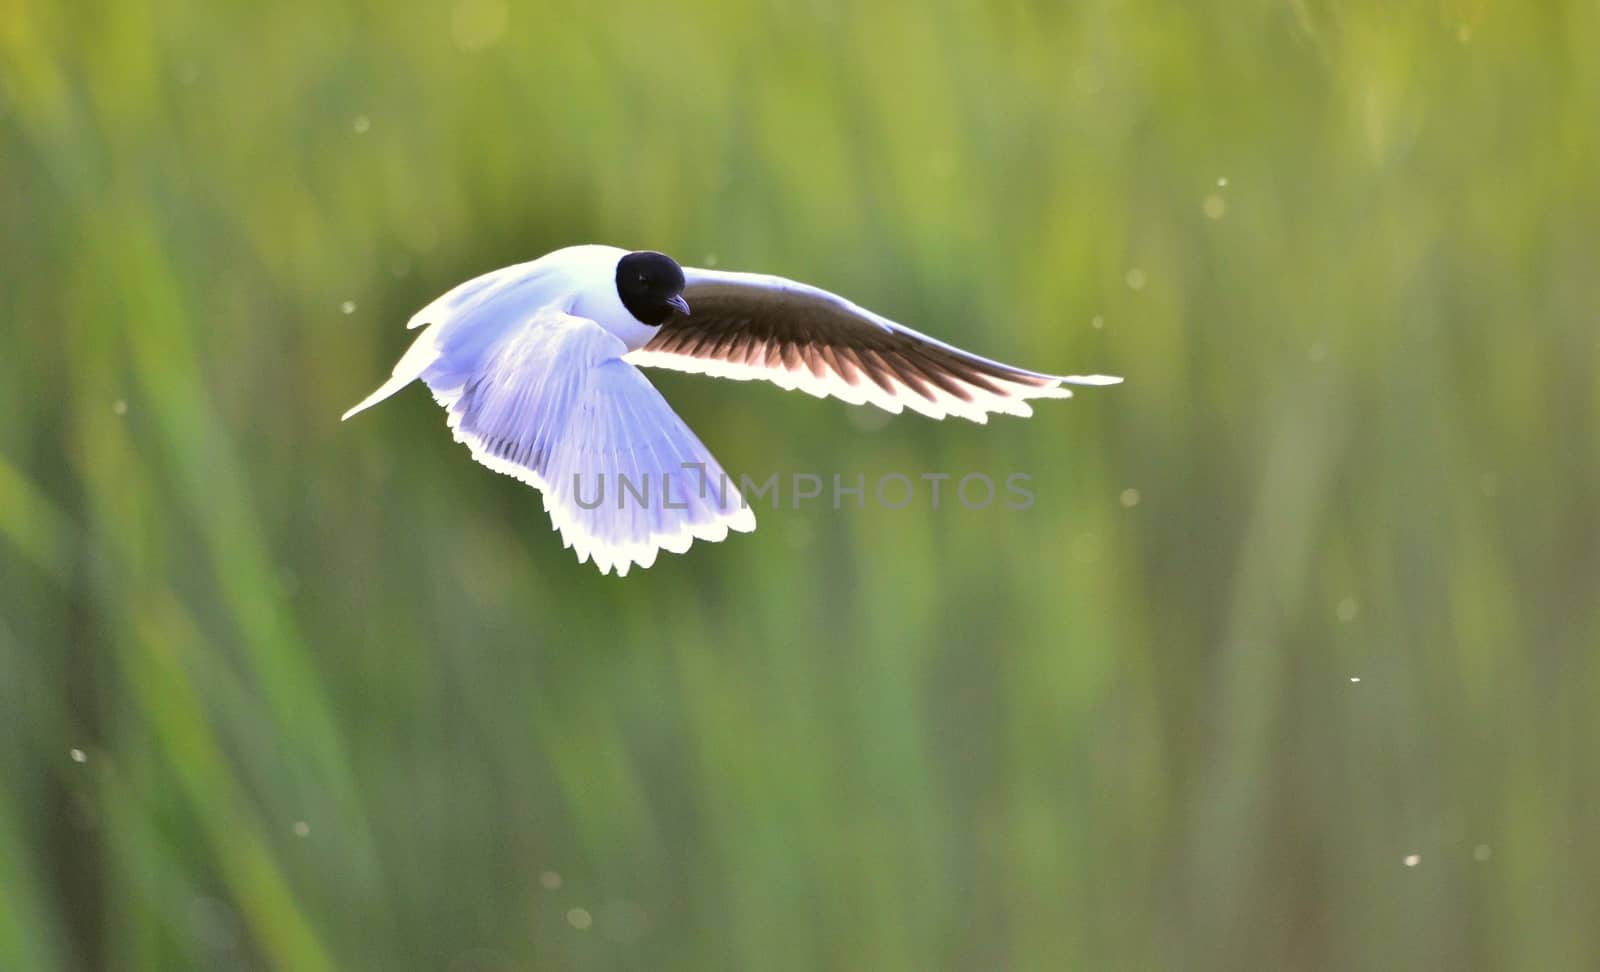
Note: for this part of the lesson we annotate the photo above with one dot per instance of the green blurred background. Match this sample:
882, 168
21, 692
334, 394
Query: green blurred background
1291, 665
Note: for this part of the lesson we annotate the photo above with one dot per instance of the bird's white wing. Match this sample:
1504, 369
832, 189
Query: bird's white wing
554, 405
467, 324
746, 326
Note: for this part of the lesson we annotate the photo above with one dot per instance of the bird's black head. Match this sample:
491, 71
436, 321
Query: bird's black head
651, 286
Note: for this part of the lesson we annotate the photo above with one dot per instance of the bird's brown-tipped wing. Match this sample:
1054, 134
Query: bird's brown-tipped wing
746, 326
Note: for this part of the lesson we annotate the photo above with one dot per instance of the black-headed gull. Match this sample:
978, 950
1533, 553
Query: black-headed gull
536, 366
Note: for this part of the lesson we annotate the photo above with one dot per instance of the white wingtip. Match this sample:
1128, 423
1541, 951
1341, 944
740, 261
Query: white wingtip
423, 352
1091, 379
388, 388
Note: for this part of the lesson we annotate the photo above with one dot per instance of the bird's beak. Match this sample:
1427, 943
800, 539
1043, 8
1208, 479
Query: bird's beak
680, 305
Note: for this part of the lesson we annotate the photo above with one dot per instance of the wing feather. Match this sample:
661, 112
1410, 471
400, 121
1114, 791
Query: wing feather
555, 406
751, 326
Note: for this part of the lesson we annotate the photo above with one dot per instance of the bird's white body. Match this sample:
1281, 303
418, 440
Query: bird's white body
536, 365
579, 280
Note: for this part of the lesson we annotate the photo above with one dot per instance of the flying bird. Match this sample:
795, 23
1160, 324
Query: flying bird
537, 366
